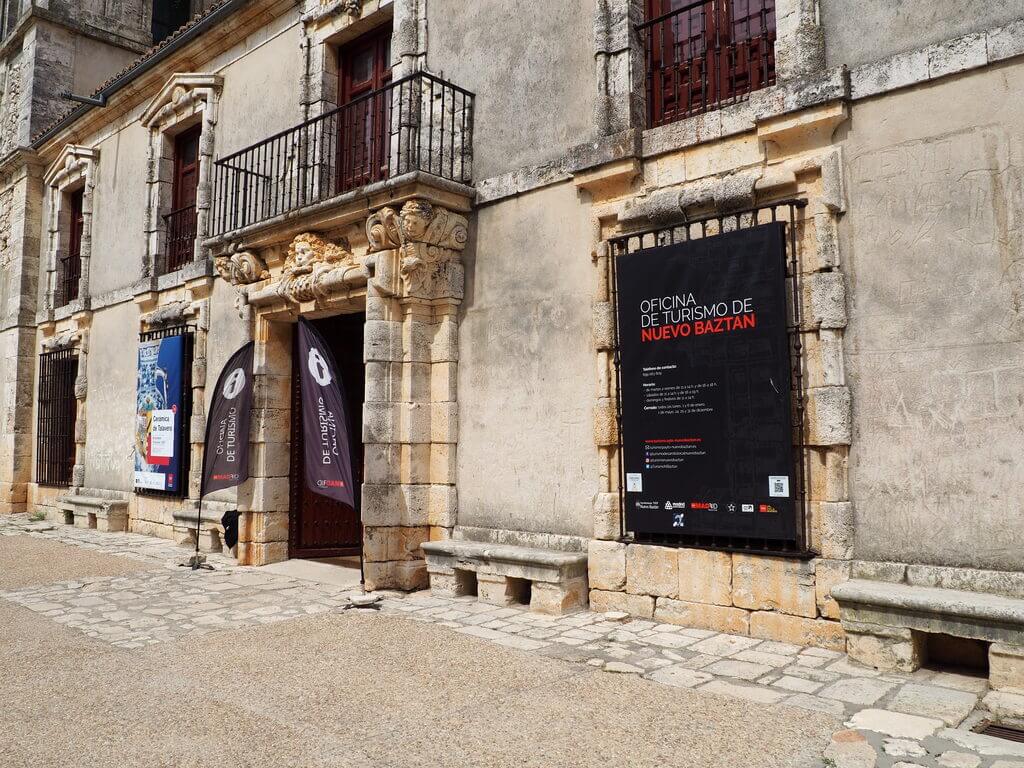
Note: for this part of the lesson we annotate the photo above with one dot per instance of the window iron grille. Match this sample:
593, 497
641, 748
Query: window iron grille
790, 213
58, 412
180, 226
705, 55
184, 446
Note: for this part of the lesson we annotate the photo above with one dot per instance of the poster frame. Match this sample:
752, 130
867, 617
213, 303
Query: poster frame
183, 438
790, 213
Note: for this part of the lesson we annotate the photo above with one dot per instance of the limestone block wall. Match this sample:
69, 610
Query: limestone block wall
778, 598
21, 194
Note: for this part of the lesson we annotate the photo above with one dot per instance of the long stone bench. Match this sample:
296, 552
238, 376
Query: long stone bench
99, 512
887, 625
549, 581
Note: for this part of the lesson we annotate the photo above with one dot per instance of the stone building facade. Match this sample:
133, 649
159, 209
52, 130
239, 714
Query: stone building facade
501, 163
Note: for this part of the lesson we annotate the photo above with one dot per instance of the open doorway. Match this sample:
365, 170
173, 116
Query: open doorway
321, 528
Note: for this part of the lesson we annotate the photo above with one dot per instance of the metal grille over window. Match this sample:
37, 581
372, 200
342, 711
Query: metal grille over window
789, 213
58, 410
182, 450
704, 55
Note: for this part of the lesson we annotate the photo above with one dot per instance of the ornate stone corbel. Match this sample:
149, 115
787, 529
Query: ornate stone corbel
61, 341
383, 231
352, 7
429, 239
241, 266
314, 268
170, 314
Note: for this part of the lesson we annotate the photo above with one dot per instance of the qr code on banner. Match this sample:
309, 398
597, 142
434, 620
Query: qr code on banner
778, 485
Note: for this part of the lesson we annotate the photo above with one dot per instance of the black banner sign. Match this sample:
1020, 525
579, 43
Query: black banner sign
705, 376
325, 422
226, 458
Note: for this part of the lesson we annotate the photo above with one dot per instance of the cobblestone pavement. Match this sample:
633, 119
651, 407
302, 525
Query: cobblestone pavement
892, 720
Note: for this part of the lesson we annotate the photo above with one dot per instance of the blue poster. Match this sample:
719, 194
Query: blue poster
159, 415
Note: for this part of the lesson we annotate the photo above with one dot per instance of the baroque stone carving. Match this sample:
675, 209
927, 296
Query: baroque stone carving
352, 7
241, 266
428, 238
6, 218
61, 341
9, 110
169, 314
310, 264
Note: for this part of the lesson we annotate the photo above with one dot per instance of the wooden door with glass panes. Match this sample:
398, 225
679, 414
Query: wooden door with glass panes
364, 69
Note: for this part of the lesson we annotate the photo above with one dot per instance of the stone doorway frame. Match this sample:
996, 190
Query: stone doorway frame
405, 273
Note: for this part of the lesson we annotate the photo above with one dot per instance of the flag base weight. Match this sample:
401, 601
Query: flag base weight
371, 602
197, 562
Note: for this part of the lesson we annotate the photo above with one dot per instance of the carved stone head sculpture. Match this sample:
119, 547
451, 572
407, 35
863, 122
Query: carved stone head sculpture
416, 216
307, 249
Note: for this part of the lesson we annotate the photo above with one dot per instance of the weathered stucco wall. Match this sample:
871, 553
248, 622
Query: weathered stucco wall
110, 405
867, 30
119, 205
261, 89
932, 246
535, 84
526, 458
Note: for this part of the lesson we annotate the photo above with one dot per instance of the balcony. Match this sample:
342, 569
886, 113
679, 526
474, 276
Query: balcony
180, 226
706, 55
417, 124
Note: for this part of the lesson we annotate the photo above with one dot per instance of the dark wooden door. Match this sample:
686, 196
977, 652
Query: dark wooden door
364, 68
186, 167
322, 527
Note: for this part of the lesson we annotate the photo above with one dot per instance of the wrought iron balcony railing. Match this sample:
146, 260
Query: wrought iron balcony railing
419, 123
706, 55
181, 237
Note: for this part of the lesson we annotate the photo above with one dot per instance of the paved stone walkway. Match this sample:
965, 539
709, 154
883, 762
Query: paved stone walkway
892, 720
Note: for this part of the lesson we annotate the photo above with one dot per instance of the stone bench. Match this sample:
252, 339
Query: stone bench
549, 581
211, 532
101, 513
887, 625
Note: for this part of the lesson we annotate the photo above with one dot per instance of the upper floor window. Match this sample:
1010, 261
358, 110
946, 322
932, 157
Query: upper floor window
168, 16
706, 54
69, 269
181, 221
364, 68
